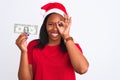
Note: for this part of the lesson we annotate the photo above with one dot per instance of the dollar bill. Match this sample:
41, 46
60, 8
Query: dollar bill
21, 28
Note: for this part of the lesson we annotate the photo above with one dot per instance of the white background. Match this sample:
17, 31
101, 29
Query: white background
95, 26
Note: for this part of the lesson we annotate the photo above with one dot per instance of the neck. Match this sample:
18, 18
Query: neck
53, 43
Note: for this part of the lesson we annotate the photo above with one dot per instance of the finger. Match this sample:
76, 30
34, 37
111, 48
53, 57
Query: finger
65, 18
20, 38
70, 21
60, 23
60, 26
23, 41
23, 35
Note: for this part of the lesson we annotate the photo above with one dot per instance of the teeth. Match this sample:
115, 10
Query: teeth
54, 34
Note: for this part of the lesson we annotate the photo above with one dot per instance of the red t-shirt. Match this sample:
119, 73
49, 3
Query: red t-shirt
50, 63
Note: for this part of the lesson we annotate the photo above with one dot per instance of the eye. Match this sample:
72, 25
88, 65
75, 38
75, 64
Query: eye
60, 24
50, 24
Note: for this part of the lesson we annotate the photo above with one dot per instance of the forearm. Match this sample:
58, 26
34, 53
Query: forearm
78, 61
24, 70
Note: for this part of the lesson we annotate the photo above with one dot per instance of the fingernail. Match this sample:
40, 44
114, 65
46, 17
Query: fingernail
27, 33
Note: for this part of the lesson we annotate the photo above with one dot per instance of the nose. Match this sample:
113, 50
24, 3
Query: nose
55, 26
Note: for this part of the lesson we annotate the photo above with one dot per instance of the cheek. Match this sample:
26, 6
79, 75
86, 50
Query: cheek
49, 29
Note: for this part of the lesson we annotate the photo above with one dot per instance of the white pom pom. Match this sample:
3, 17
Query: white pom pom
42, 13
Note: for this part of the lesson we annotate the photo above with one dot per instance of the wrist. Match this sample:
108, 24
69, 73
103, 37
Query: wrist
68, 39
65, 36
23, 52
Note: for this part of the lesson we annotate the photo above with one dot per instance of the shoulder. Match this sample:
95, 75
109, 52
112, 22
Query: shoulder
77, 44
79, 47
33, 43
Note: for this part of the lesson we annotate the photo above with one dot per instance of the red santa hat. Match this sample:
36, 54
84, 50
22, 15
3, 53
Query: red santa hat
54, 7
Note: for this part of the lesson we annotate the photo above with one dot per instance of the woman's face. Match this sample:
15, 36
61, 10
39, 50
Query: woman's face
51, 27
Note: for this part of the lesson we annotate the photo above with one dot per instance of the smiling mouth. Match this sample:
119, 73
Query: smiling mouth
54, 34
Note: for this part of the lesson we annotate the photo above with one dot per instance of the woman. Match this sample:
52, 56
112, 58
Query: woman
54, 56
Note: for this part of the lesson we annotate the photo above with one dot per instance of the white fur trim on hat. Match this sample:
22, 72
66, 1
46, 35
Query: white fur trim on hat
55, 10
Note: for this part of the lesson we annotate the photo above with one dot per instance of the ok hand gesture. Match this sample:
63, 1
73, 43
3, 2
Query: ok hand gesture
64, 26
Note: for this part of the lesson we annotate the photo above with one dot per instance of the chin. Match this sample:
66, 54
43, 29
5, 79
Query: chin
55, 38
